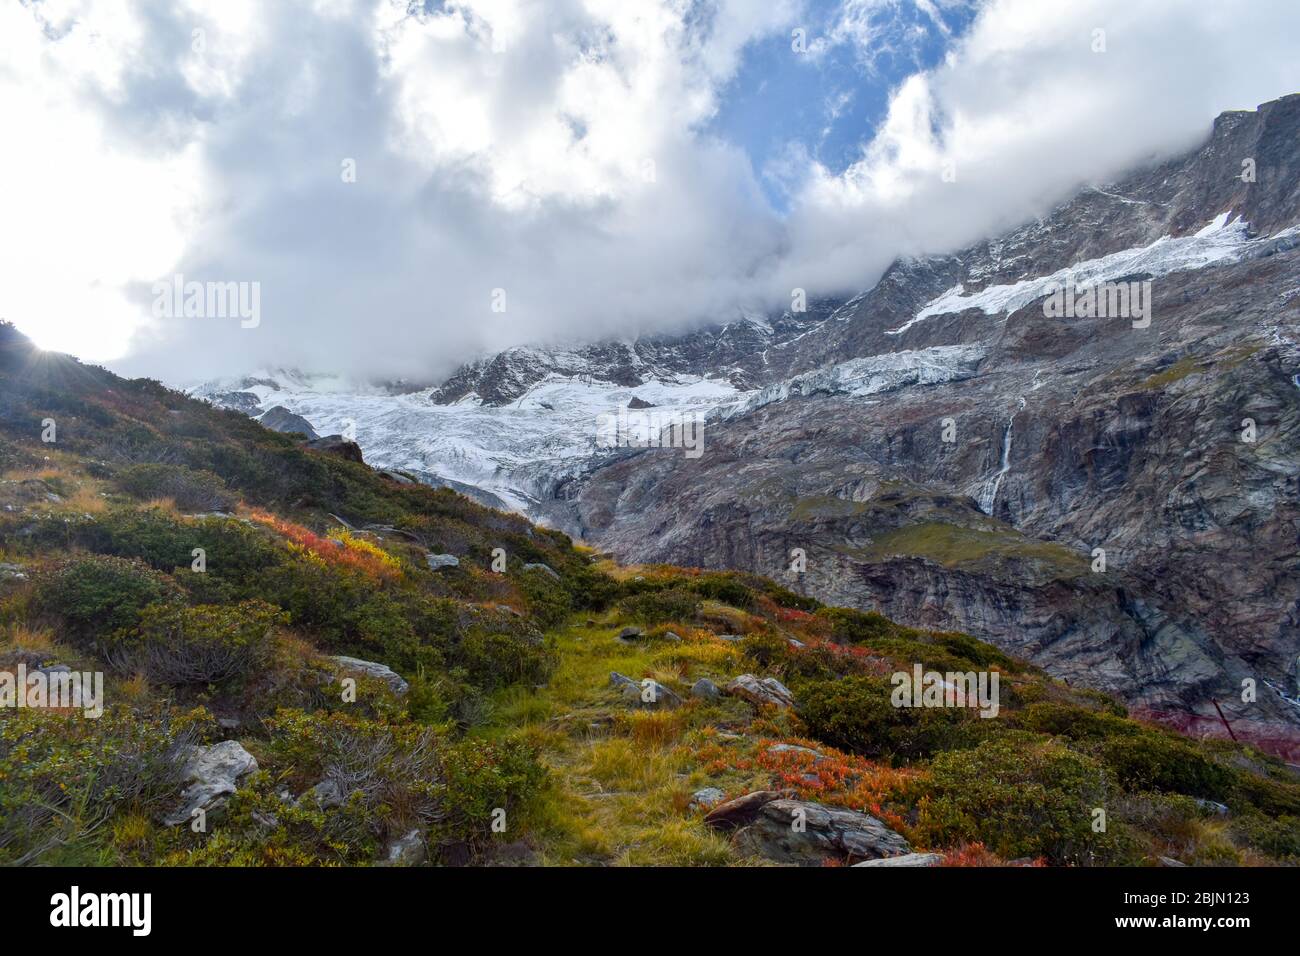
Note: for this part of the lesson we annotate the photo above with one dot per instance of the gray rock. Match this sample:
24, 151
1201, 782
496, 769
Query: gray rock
707, 799
631, 634
907, 859
1170, 861
371, 669
1212, 806
670, 636
651, 694
807, 834
401, 477
407, 850
705, 689
538, 566
12, 572
212, 773
436, 561
731, 638
326, 794
618, 680
280, 419
765, 691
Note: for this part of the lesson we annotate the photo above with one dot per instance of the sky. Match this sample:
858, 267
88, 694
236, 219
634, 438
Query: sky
394, 187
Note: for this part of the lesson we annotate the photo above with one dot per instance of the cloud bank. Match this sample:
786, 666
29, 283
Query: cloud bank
392, 175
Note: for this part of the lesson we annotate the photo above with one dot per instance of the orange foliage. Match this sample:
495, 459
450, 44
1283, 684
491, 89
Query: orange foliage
369, 560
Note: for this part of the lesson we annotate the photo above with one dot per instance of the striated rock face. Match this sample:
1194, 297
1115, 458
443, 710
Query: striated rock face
212, 773
772, 825
1118, 504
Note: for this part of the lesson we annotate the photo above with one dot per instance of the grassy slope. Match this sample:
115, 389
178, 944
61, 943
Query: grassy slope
509, 672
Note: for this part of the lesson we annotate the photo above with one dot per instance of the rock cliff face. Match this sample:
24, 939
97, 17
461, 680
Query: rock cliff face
1173, 448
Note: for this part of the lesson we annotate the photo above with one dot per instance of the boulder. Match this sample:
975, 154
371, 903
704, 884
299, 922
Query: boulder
765, 691
212, 773
371, 669
796, 749
338, 445
325, 795
651, 694
907, 859
742, 810
407, 850
280, 419
436, 561
707, 798
705, 689
618, 680
809, 834
631, 634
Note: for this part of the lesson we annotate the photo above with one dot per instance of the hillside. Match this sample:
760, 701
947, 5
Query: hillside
307, 661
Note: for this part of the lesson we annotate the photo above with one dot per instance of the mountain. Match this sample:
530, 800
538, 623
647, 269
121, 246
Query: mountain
1117, 498
291, 658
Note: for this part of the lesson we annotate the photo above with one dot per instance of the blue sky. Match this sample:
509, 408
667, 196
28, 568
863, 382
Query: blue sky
828, 101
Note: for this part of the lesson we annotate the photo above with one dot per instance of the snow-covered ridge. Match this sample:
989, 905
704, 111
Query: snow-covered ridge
1222, 240
867, 376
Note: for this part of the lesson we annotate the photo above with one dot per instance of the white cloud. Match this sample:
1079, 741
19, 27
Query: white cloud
552, 148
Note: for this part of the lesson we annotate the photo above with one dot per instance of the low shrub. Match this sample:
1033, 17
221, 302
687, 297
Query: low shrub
857, 715
724, 588
205, 644
661, 607
1154, 760
192, 490
97, 595
1022, 795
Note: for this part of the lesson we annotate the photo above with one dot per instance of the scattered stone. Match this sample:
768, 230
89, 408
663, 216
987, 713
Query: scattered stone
538, 566
401, 477
338, 445
670, 636
808, 834
731, 638
212, 773
436, 561
618, 680
507, 609
766, 691
651, 694
795, 643
12, 572
326, 794
630, 634
705, 689
1212, 806
907, 859
378, 671
706, 799
408, 850
1170, 861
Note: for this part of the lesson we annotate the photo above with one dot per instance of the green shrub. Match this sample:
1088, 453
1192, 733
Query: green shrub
492, 659
1278, 837
1023, 795
481, 778
205, 644
191, 490
97, 595
1073, 721
1154, 760
724, 588
661, 607
857, 715
63, 776
856, 627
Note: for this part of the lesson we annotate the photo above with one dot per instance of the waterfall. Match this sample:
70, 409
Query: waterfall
989, 493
